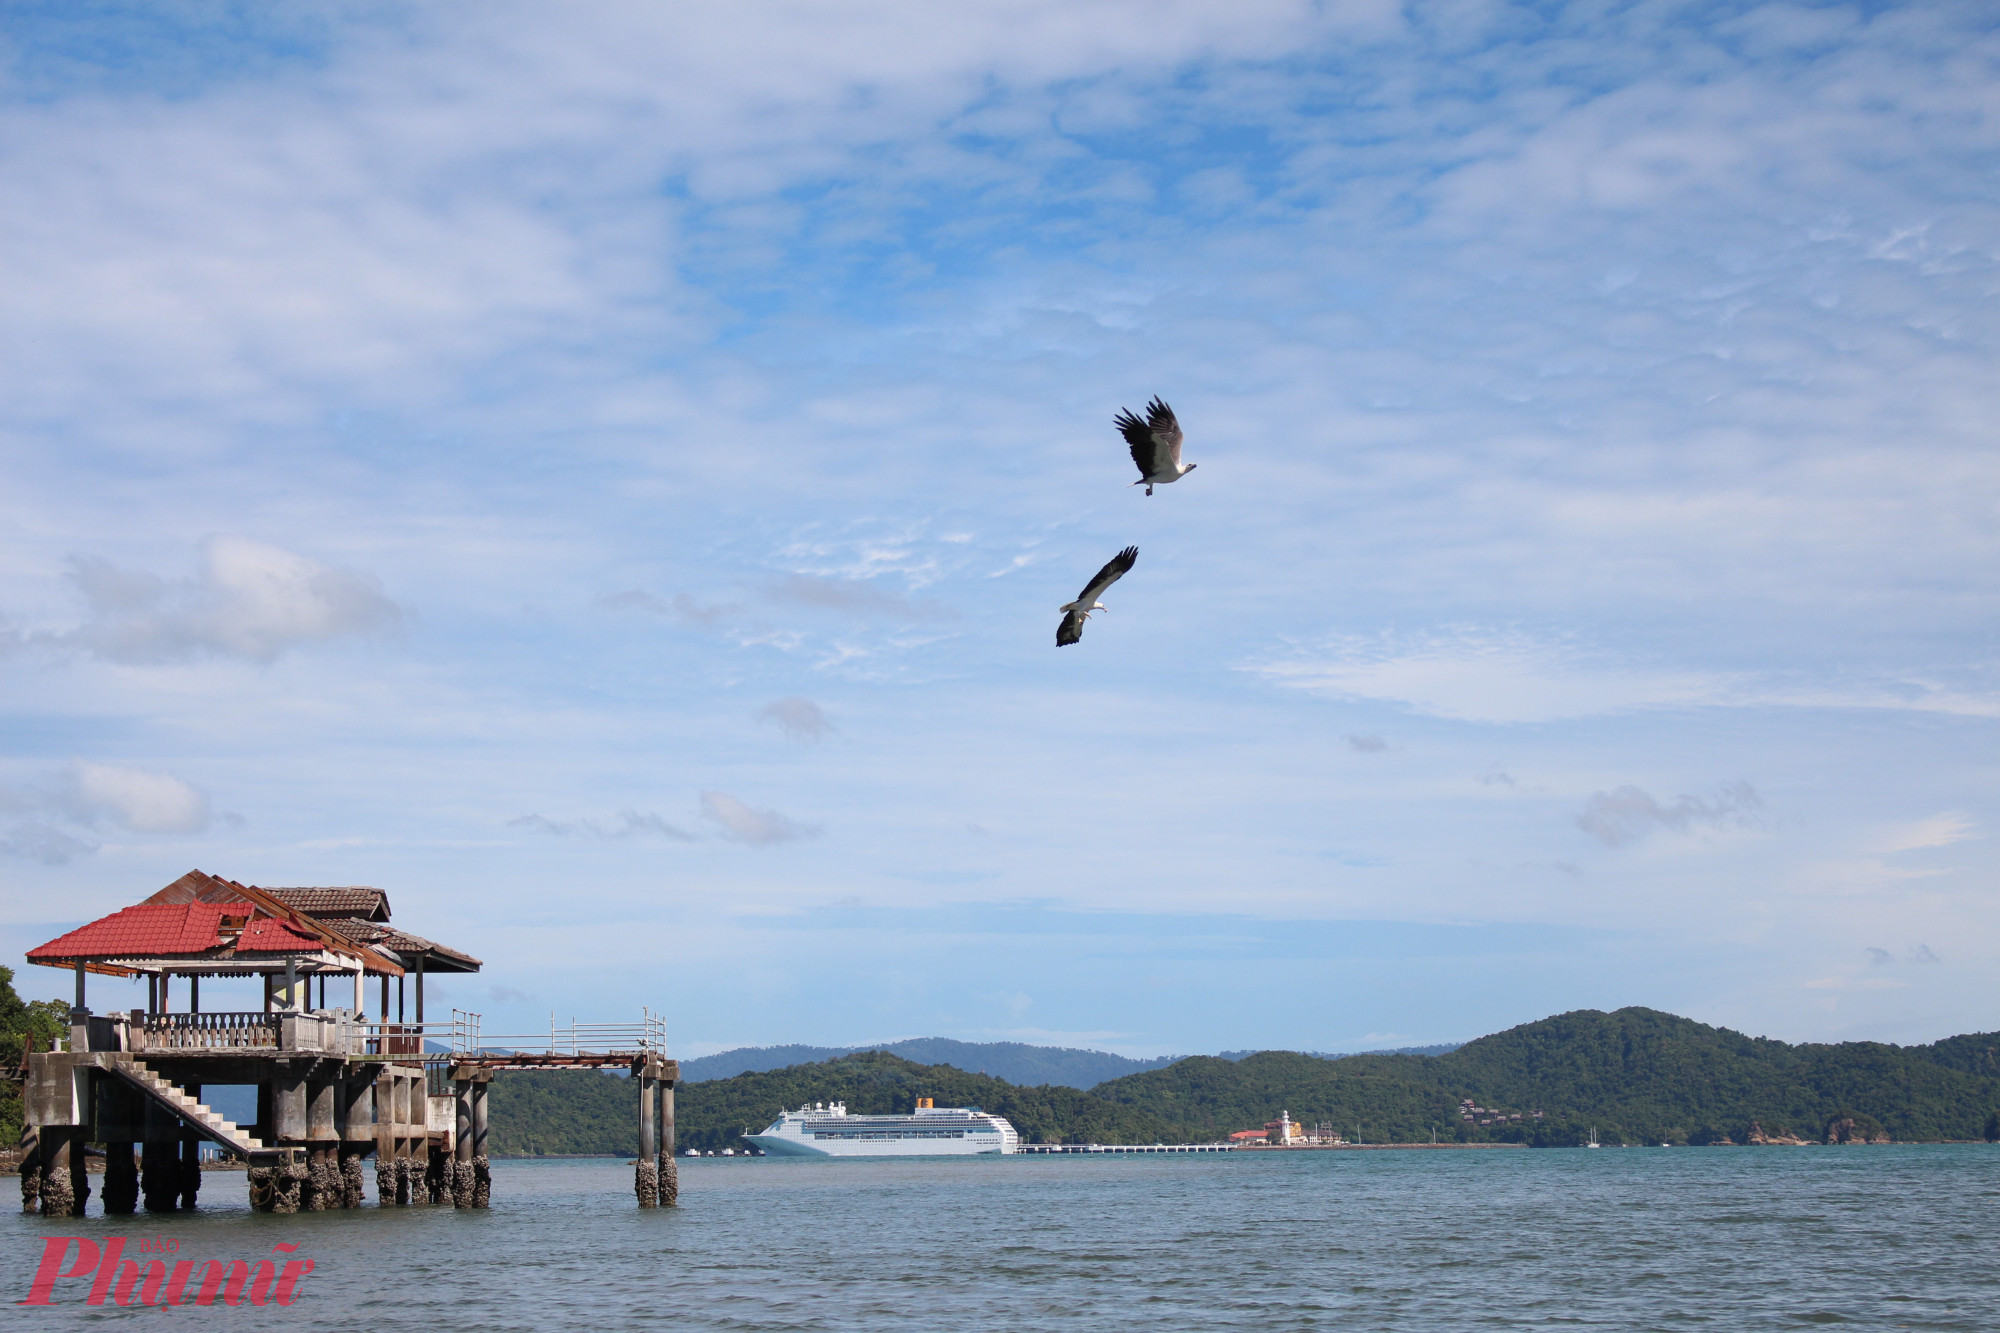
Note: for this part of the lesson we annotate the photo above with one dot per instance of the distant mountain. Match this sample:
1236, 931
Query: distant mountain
569, 1113
1636, 1074
1444, 1048
1016, 1062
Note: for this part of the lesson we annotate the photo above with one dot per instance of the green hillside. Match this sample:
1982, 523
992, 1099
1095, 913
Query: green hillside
1638, 1075
586, 1113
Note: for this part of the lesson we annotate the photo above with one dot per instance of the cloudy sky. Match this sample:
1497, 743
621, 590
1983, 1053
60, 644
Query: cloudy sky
606, 474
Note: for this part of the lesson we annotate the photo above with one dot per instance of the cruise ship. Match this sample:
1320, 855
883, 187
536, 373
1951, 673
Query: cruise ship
825, 1129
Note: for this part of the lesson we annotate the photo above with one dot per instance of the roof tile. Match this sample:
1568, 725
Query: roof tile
148, 930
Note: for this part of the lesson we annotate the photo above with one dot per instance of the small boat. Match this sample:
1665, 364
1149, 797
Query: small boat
1593, 1139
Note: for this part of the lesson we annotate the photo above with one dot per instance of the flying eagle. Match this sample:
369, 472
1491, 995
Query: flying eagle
1078, 611
1156, 444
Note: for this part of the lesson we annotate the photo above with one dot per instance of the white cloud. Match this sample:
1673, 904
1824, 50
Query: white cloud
250, 600
137, 800
1940, 830
1481, 676
63, 816
626, 824
743, 823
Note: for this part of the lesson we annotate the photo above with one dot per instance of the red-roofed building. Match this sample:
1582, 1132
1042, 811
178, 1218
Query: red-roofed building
202, 925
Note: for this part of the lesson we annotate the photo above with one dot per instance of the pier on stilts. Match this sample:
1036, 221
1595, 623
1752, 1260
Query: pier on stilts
335, 1084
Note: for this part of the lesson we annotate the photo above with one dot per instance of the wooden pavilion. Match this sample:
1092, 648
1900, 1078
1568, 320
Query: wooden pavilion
334, 1084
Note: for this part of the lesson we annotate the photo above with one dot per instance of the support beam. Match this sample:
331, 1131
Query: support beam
194, 993
79, 984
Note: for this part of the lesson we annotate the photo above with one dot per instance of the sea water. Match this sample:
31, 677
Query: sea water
1617, 1238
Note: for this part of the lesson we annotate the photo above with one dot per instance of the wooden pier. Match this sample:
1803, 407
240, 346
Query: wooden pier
335, 1086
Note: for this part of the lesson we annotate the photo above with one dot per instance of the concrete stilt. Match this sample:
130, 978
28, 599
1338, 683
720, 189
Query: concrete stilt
482, 1171
437, 1174
670, 1173
121, 1180
191, 1141
352, 1178
323, 1188
461, 1143
58, 1187
31, 1168
190, 1172
646, 1176
160, 1160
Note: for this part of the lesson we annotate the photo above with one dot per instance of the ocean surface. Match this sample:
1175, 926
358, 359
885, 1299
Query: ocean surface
1628, 1239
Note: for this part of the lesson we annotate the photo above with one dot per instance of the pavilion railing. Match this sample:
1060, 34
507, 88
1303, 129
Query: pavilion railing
207, 1032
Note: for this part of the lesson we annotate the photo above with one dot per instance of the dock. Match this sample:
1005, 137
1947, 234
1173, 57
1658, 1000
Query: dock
335, 1085
1125, 1149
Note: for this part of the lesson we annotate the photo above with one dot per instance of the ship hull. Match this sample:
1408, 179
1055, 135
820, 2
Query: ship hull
778, 1145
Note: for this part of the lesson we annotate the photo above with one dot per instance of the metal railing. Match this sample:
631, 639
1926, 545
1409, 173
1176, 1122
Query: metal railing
648, 1035
462, 1036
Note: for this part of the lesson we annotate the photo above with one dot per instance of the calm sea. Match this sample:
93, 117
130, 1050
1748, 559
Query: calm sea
1628, 1239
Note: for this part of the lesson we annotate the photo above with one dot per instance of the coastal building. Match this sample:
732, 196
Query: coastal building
344, 1061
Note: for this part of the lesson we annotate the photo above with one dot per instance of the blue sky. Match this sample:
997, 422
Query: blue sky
606, 475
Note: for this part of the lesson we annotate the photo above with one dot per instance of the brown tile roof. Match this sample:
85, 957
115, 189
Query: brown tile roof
437, 957
358, 901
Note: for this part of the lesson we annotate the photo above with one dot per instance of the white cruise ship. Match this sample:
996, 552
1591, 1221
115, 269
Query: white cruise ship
825, 1129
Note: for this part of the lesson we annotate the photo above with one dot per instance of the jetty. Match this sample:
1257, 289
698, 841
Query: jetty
337, 1082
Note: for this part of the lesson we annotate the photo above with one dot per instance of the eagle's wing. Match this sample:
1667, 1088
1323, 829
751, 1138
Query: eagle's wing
1114, 570
1070, 630
1166, 432
1148, 450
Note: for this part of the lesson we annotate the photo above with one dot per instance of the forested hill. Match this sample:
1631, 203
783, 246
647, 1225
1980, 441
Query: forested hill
583, 1113
1637, 1075
1017, 1062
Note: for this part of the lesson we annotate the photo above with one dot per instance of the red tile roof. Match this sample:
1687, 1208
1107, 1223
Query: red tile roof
148, 930
267, 935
